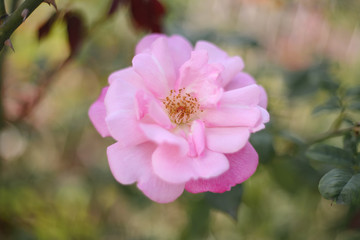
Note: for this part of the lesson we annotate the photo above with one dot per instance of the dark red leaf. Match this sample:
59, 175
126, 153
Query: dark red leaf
76, 30
45, 28
148, 14
115, 5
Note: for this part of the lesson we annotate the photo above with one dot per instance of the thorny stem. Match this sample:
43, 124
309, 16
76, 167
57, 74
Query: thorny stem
13, 21
2, 9
333, 134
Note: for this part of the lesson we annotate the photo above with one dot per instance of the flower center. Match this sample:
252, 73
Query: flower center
181, 107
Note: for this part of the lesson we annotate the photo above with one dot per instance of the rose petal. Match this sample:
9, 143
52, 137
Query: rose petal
145, 43
196, 138
180, 50
126, 74
226, 140
172, 165
151, 73
129, 164
159, 190
231, 116
242, 79
242, 165
124, 127
97, 114
210, 164
215, 53
232, 66
245, 96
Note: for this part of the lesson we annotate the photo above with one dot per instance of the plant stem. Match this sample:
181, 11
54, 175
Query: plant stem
2, 9
330, 135
13, 21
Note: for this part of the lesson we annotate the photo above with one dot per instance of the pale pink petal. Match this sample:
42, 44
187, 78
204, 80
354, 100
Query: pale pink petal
172, 165
160, 136
226, 140
242, 79
97, 114
162, 55
210, 164
201, 79
231, 117
242, 165
142, 100
180, 50
215, 53
129, 164
158, 190
232, 66
133, 164
157, 113
196, 138
151, 73
245, 96
265, 117
124, 127
126, 74
263, 98
120, 96
145, 43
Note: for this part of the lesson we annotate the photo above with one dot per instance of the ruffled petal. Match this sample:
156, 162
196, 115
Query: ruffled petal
232, 66
231, 116
201, 79
126, 74
226, 140
124, 127
215, 53
242, 79
145, 43
157, 113
196, 138
180, 50
151, 73
210, 164
160, 191
133, 164
242, 165
245, 96
172, 165
129, 164
162, 55
97, 114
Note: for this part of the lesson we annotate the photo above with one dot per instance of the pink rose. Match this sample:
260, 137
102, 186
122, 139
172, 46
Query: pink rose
181, 118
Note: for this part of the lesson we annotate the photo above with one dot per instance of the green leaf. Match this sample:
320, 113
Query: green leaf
331, 104
355, 106
263, 143
227, 202
350, 142
353, 92
333, 182
325, 157
351, 192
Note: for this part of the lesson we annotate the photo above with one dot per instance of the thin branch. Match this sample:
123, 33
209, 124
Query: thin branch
13, 21
331, 135
2, 9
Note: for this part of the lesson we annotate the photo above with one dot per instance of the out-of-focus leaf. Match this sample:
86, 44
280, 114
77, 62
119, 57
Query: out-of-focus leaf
115, 5
354, 106
45, 28
75, 29
350, 194
198, 221
227, 202
353, 92
333, 182
327, 157
148, 14
331, 104
263, 143
308, 81
350, 142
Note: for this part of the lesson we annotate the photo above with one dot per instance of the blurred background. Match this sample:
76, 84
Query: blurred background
55, 182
